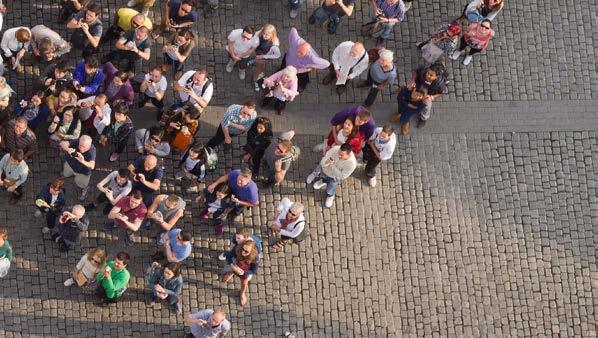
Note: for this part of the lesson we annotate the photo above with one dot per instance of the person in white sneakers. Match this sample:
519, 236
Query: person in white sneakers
89, 265
380, 148
477, 37
337, 164
240, 48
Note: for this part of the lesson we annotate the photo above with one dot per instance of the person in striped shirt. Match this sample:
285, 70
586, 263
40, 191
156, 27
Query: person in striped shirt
236, 121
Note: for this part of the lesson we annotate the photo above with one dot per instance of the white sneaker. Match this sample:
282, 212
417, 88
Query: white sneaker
310, 178
456, 54
372, 181
230, 65
293, 13
132, 3
69, 282
242, 74
318, 148
222, 256
329, 201
46, 230
319, 184
467, 60
38, 214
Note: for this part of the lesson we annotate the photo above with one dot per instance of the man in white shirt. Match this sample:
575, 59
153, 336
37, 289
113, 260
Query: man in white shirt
380, 148
241, 46
95, 113
196, 88
349, 60
289, 221
15, 43
337, 165
153, 88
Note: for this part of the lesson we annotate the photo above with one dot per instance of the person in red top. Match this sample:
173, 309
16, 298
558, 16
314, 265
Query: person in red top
476, 37
347, 133
127, 214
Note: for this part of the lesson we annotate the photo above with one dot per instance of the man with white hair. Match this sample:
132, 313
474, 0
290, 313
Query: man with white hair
80, 161
349, 60
68, 227
289, 222
381, 74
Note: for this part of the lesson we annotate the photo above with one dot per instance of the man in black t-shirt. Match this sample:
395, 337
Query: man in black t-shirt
87, 29
431, 80
332, 10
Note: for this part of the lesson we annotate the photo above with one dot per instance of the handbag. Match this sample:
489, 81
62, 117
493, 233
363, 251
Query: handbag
431, 52
79, 278
373, 28
4, 266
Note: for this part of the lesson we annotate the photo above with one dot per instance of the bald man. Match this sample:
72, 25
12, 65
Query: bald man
147, 176
303, 57
80, 162
349, 60
68, 227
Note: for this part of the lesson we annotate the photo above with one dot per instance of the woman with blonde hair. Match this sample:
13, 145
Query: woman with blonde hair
283, 88
243, 263
267, 49
89, 265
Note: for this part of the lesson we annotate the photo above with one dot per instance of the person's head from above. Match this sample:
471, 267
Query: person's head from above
17, 156
247, 110
92, 12
68, 114
37, 98
46, 49
183, 36
20, 126
283, 148
385, 59
244, 177
122, 176
84, 143
263, 124
288, 74
56, 186
3, 236
137, 20
135, 199
247, 33
185, 8
454, 29
61, 69
171, 270
195, 152
269, 33
431, 74
418, 94
356, 50
121, 260
150, 162
97, 256
100, 100
184, 237
120, 78
191, 114
155, 135
485, 26
156, 74
65, 96
494, 4
345, 151
78, 211
171, 201
199, 76
303, 49
141, 33
242, 235
217, 317
295, 210
247, 251
363, 117
222, 191
91, 64
121, 111
23, 35
386, 133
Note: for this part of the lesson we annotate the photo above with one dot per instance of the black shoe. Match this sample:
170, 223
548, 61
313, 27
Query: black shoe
109, 226
311, 20
420, 123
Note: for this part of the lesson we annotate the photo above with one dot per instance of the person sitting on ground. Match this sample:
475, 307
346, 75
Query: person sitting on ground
166, 283
382, 73
119, 130
15, 43
88, 77
282, 88
125, 21
95, 114
87, 29
152, 142
349, 59
165, 212
13, 173
243, 234
178, 50
68, 227
179, 14
215, 205
133, 47
347, 133
113, 280
237, 120
127, 214
114, 187
195, 88
244, 264
176, 246
245, 191
50, 201
153, 89
80, 161
66, 126
336, 166
117, 87
16, 135
241, 47
207, 324
380, 148
34, 110
259, 137
48, 45
57, 104
289, 222
86, 270
147, 176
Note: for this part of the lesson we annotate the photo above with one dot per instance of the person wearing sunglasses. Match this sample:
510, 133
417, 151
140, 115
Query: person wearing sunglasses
289, 222
278, 158
476, 37
126, 20
241, 48
244, 264
179, 14
89, 265
149, 142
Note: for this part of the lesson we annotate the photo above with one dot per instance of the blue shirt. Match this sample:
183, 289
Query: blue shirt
74, 163
174, 13
248, 193
233, 115
91, 82
180, 251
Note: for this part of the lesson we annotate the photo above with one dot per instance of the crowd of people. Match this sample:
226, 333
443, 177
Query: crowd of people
87, 105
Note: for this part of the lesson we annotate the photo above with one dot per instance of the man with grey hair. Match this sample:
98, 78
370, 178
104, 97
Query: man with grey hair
381, 74
289, 221
68, 227
349, 60
80, 161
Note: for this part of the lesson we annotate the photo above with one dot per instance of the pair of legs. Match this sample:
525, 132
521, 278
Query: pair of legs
228, 277
218, 139
372, 93
100, 199
81, 180
331, 76
275, 102
157, 103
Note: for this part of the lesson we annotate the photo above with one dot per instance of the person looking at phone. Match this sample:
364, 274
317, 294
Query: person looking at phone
87, 29
195, 87
80, 162
113, 280
147, 175
112, 189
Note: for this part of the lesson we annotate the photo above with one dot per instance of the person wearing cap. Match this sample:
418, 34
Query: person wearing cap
289, 222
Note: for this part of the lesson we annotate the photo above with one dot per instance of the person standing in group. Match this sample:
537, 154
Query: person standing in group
87, 29
178, 50
477, 37
147, 176
245, 191
179, 14
13, 174
113, 280
349, 59
266, 50
68, 227
153, 89
15, 43
127, 214
194, 88
289, 222
244, 264
117, 86
112, 188
166, 283
150, 142
282, 88
80, 161
15, 135
87, 77
89, 265
382, 73
241, 46
237, 120
118, 132
380, 148
50, 201
207, 324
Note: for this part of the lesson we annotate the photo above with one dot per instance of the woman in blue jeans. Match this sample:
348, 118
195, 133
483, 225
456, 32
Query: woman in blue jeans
166, 283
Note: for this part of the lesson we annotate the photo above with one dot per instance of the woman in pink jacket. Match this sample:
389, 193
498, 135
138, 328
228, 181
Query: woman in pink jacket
476, 38
282, 87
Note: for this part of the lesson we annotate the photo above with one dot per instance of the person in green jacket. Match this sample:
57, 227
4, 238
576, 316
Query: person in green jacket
114, 279
5, 253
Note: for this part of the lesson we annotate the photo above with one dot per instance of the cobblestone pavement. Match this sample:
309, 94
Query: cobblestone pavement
473, 230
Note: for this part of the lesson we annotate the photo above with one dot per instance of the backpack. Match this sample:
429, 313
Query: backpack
211, 159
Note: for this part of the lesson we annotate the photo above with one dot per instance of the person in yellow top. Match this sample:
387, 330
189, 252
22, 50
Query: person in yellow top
126, 19
147, 4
